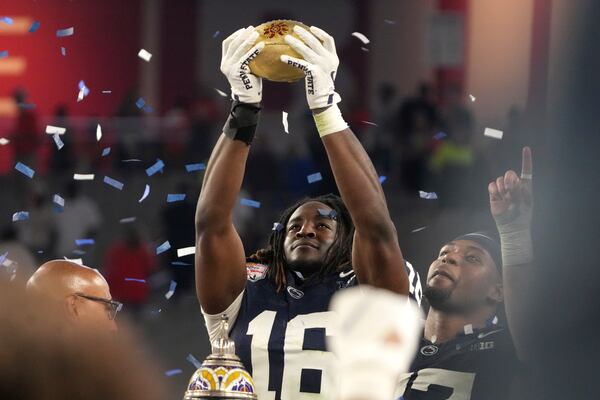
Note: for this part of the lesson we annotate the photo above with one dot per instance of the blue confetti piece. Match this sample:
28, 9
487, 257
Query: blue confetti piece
135, 280
4, 54
25, 170
59, 203
316, 177
197, 364
158, 166
58, 141
85, 89
7, 20
20, 216
34, 27
84, 242
113, 182
439, 136
216, 34
327, 213
180, 263
163, 247
173, 197
3, 257
195, 167
140, 103
427, 195
172, 372
148, 109
277, 226
65, 32
127, 220
78, 252
171, 291
105, 151
63, 51
250, 203
382, 179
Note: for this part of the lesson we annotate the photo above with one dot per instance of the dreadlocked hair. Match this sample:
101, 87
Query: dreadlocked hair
338, 256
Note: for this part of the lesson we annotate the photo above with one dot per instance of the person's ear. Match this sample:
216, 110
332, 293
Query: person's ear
71, 306
496, 294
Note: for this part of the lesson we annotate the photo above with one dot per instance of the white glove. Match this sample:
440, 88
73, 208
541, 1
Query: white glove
320, 65
238, 50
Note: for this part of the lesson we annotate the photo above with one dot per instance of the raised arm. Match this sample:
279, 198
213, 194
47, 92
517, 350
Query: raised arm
511, 204
220, 257
376, 255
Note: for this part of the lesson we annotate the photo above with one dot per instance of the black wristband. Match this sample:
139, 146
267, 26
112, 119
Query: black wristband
242, 122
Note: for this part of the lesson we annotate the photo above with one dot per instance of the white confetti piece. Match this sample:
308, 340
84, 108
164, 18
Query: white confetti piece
75, 260
20, 216
98, 133
127, 220
55, 130
106, 91
4, 141
186, 251
428, 195
277, 226
418, 229
65, 32
468, 329
171, 291
472, 98
361, 37
284, 120
58, 200
145, 55
83, 177
493, 133
221, 93
369, 123
146, 193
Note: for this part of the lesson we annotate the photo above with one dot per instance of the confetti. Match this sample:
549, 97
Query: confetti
186, 251
277, 226
106, 91
7, 20
382, 179
172, 372
26, 106
55, 130
4, 141
216, 34
180, 263
493, 133
98, 133
34, 27
163, 247
113, 182
132, 160
84, 242
4, 54
65, 32
364, 49
75, 260
361, 37
197, 364
369, 123
25, 170
58, 200
145, 55
127, 220
146, 193
284, 120
439, 136
3, 257
105, 151
428, 195
140, 103
418, 229
468, 329
327, 213
472, 98
83, 91
316, 177
83, 177
389, 21
221, 93
148, 109
174, 197
20, 216
157, 166
171, 291
58, 141
135, 280
63, 51
250, 203
195, 167
79, 252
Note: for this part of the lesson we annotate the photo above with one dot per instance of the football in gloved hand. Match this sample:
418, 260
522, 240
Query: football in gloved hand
267, 64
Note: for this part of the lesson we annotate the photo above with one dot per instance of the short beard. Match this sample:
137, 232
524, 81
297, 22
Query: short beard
439, 299
306, 268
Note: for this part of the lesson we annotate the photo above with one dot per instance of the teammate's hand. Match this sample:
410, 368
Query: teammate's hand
238, 50
320, 65
511, 197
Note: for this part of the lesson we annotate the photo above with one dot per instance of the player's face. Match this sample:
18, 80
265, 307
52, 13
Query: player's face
310, 232
462, 278
96, 314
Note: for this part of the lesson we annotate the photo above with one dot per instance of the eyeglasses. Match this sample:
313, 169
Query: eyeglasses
113, 306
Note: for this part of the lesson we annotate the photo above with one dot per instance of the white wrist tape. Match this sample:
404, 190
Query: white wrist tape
516, 245
367, 379
330, 121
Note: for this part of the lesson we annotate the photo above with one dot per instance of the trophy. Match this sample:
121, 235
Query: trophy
268, 64
222, 375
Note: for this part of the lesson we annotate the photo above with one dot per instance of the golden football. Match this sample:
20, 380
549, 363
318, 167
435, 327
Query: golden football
268, 64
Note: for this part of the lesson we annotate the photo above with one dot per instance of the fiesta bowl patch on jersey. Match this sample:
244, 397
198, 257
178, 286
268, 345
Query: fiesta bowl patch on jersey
255, 271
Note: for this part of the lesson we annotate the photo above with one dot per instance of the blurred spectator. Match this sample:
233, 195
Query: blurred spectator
18, 260
129, 127
64, 159
385, 130
129, 257
80, 219
38, 232
27, 137
176, 131
205, 120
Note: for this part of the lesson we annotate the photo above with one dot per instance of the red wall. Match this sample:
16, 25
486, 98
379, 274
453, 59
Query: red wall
102, 52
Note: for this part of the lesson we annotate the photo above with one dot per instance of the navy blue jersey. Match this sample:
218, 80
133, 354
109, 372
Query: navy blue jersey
280, 336
476, 366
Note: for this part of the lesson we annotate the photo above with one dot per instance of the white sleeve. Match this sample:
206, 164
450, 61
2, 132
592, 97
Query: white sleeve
212, 321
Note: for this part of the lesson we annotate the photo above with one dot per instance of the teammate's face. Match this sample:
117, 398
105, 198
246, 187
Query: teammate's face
310, 232
463, 278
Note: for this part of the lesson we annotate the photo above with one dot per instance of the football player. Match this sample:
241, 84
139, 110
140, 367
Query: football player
278, 302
